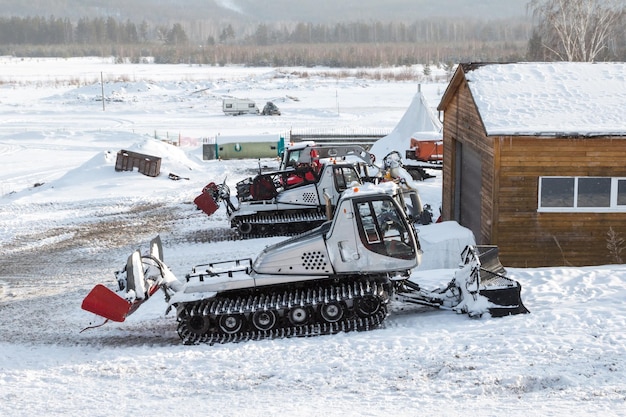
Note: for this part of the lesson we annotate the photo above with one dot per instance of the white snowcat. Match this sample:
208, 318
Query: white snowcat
304, 192
338, 277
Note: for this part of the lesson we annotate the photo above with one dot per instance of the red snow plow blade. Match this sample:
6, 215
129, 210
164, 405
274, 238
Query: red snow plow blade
105, 303
108, 304
206, 201
113, 306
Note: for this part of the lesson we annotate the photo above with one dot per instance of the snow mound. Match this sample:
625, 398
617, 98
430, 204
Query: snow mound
97, 178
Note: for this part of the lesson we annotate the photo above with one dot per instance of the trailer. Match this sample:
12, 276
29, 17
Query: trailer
239, 106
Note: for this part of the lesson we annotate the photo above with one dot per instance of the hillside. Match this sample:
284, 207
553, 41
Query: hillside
315, 11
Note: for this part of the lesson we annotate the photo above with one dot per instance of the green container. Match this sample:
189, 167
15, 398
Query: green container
243, 150
247, 150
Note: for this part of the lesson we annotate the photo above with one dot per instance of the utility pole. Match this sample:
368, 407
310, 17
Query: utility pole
102, 86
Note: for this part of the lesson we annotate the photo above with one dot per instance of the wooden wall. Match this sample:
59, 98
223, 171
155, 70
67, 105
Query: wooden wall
529, 238
462, 123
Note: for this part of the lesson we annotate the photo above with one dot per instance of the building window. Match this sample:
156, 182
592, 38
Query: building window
594, 192
556, 192
582, 194
621, 192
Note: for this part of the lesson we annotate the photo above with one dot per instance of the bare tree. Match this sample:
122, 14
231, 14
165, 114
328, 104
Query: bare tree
576, 30
615, 245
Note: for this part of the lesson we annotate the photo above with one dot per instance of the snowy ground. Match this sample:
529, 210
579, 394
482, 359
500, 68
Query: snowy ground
68, 221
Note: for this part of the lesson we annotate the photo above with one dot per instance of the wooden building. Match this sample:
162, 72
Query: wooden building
535, 160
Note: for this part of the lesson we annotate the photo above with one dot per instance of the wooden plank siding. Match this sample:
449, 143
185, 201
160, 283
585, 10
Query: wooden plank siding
529, 238
463, 124
511, 167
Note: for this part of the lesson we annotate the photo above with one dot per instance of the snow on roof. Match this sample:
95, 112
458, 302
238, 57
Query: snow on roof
561, 98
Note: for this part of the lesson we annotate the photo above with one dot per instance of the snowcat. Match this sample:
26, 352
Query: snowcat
303, 193
338, 277
270, 109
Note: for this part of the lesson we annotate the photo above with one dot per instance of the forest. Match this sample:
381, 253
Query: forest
306, 44
371, 43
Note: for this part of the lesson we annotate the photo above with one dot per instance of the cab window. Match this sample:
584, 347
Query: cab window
344, 176
294, 157
383, 230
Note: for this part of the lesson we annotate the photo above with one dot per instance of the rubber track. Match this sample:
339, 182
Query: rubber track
280, 224
229, 235
310, 297
315, 329
225, 235
281, 218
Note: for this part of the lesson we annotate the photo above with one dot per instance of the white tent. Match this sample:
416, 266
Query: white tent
418, 118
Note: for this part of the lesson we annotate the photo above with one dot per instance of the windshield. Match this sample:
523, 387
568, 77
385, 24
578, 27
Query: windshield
344, 176
383, 229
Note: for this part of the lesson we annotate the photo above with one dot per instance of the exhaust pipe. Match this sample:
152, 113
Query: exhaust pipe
329, 206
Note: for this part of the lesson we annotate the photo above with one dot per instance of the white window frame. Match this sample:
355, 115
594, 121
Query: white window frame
613, 207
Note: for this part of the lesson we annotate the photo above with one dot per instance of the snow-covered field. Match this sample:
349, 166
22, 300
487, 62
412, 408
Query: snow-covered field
68, 221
